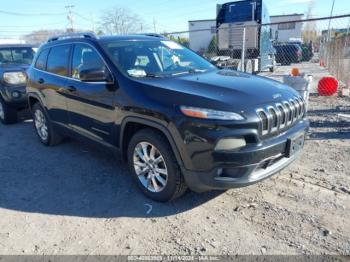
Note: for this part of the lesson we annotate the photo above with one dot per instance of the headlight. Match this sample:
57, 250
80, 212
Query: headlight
209, 114
15, 78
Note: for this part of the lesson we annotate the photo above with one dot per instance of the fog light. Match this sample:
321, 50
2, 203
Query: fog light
227, 144
16, 94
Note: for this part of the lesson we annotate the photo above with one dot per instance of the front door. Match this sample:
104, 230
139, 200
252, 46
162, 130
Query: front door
90, 94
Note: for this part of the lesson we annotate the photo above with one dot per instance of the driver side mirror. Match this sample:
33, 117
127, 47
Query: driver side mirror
95, 75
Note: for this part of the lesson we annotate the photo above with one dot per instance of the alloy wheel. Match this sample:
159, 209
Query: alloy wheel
150, 167
41, 125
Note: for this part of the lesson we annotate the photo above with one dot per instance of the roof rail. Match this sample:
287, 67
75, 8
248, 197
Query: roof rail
72, 35
154, 35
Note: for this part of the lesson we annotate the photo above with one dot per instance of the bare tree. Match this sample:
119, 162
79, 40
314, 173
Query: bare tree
40, 36
121, 21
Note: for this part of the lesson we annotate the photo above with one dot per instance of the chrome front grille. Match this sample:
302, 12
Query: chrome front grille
274, 118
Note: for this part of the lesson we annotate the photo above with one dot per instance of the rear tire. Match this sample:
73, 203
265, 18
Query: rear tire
44, 128
157, 174
8, 115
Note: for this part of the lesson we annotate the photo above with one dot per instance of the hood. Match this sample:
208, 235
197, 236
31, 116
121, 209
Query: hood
219, 89
13, 67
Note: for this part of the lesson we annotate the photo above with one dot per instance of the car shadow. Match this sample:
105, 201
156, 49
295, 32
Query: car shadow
342, 135
74, 179
339, 123
332, 127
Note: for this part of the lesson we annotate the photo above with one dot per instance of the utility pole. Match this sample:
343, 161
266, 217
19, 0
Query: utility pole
70, 17
330, 21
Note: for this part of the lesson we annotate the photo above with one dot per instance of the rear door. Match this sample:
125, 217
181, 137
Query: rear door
90, 96
50, 79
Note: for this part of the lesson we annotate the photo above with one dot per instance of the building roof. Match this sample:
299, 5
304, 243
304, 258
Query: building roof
286, 15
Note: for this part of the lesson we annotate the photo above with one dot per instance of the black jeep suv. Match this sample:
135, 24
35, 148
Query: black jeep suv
178, 120
14, 61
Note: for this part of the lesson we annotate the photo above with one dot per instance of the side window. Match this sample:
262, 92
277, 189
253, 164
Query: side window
41, 61
86, 59
57, 60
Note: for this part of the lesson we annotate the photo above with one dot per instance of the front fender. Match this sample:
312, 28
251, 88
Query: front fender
37, 97
161, 126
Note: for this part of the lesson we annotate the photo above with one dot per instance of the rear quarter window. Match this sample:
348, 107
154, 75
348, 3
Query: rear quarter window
41, 60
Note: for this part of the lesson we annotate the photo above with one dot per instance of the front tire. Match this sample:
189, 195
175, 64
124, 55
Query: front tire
154, 166
43, 127
8, 115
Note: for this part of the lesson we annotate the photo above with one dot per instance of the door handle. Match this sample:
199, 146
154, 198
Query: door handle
71, 89
41, 81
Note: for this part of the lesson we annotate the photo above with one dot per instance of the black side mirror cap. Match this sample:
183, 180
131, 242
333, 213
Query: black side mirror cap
95, 75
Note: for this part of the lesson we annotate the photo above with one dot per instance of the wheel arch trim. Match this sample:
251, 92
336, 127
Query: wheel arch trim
37, 97
152, 124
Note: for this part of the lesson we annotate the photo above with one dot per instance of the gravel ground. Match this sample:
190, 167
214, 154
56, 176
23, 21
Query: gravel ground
79, 199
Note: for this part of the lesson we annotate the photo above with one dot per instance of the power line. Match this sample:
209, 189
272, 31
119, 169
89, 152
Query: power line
81, 16
90, 20
23, 26
166, 8
274, 23
30, 14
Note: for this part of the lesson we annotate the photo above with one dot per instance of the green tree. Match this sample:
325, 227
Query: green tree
181, 40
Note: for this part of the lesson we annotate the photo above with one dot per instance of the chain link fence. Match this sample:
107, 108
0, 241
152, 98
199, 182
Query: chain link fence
335, 56
305, 44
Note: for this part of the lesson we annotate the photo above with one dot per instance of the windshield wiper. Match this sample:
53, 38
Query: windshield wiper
145, 75
193, 70
180, 73
152, 75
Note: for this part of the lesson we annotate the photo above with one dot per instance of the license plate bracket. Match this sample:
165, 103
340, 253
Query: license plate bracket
295, 144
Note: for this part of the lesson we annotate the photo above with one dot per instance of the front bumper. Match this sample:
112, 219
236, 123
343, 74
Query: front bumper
16, 96
248, 166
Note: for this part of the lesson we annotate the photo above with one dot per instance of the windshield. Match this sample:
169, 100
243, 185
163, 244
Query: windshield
18, 55
155, 58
